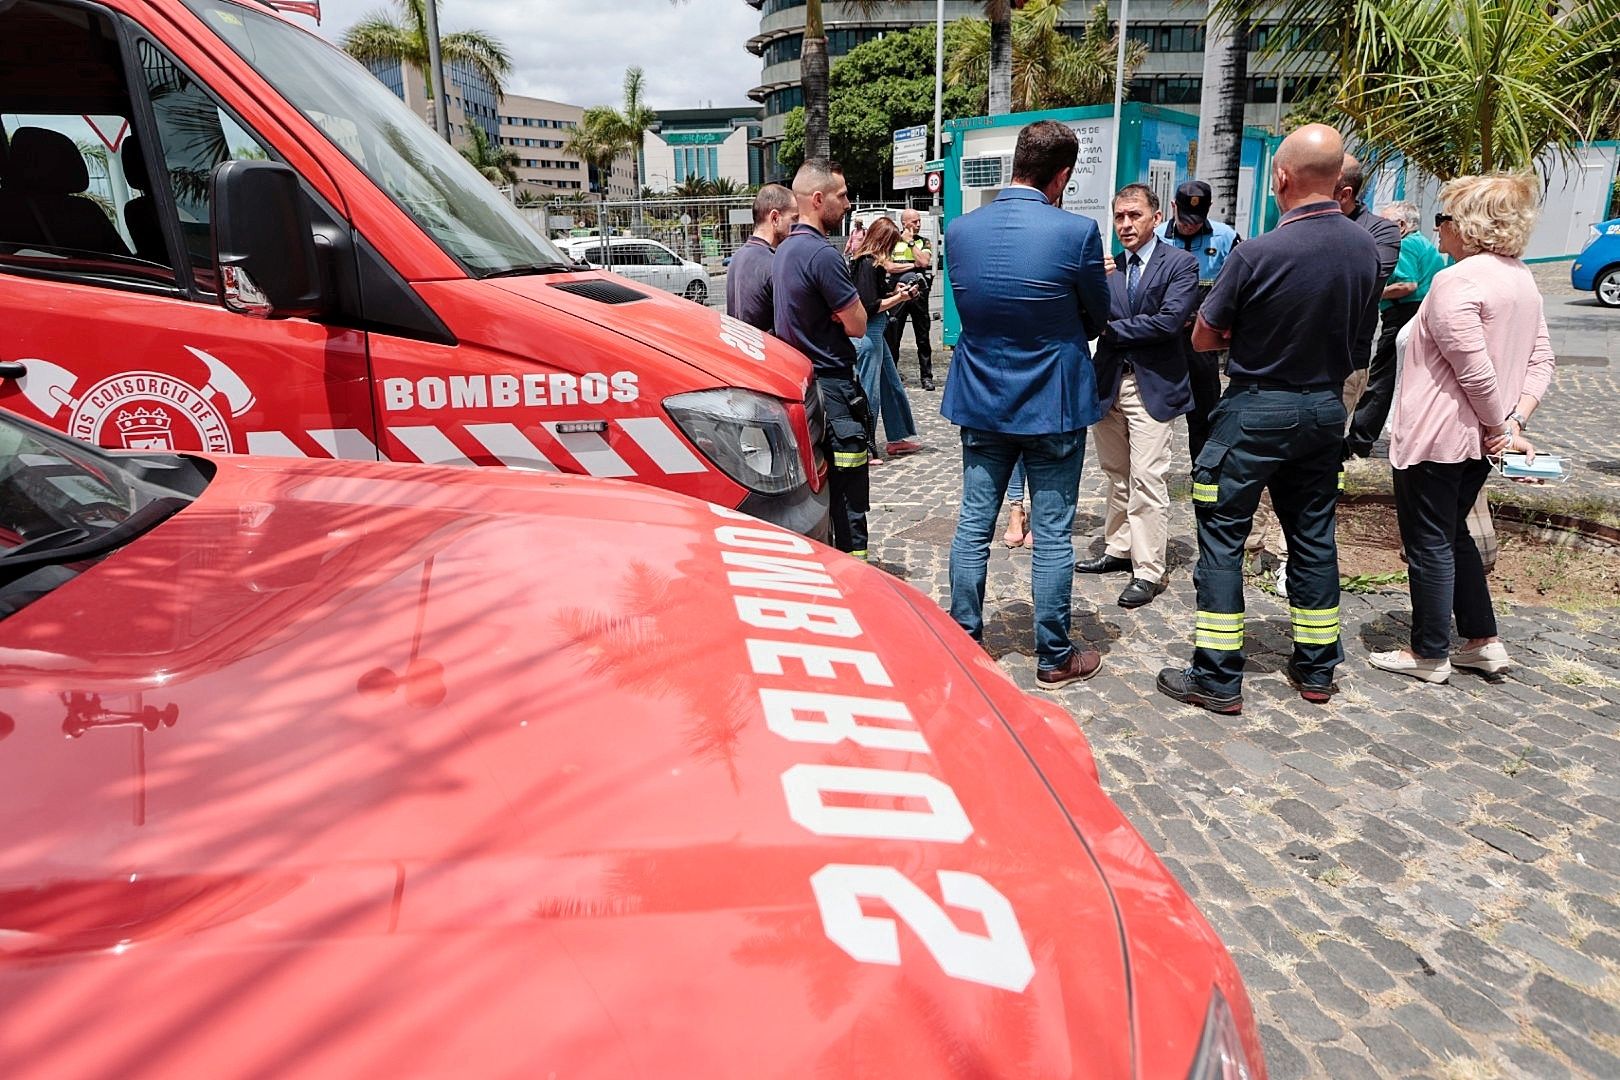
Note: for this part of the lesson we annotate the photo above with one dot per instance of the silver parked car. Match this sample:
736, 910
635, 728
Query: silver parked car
646, 261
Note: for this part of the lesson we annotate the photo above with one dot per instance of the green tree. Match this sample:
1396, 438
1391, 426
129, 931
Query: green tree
380, 38
878, 87
498, 164
1050, 69
999, 15
1457, 86
637, 118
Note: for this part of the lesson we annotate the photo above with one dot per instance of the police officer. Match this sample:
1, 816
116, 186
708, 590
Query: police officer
1289, 307
1210, 242
915, 263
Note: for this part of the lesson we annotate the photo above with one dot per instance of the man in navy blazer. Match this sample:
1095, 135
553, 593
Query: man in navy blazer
1144, 384
1029, 283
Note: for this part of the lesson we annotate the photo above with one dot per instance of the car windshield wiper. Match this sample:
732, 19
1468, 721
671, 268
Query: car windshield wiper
536, 268
71, 545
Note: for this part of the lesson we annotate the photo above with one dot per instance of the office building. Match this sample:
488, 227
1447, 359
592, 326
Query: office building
534, 129
709, 144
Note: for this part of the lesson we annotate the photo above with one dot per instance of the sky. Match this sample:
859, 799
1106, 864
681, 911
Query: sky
576, 52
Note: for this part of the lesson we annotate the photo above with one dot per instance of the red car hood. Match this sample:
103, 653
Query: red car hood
730, 352
352, 771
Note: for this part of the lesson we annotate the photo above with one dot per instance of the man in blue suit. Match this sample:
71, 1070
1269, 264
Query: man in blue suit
1029, 284
1143, 384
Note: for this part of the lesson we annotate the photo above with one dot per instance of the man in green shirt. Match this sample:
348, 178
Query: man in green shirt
1403, 294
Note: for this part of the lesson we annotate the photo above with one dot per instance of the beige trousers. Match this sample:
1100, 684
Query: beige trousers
1134, 452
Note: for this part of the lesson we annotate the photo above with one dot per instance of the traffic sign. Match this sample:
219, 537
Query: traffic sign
935, 182
910, 155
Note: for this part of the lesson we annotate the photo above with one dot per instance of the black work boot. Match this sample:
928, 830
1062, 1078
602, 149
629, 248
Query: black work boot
1184, 686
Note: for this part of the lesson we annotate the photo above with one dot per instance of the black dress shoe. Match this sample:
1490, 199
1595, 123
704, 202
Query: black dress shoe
928, 382
1102, 564
1082, 664
1179, 684
1139, 592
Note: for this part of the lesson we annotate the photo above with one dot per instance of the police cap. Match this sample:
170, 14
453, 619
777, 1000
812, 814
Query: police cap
1192, 205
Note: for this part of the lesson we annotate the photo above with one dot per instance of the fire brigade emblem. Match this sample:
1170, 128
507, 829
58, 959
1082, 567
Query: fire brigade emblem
144, 410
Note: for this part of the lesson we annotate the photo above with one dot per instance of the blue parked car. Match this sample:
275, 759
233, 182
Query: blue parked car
1597, 267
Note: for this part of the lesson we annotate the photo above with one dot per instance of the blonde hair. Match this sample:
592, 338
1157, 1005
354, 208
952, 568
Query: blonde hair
1494, 213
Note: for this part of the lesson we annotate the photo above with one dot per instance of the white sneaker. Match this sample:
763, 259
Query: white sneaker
1282, 578
1491, 658
1432, 671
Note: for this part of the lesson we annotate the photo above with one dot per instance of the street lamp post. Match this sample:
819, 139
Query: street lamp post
939, 81
1119, 101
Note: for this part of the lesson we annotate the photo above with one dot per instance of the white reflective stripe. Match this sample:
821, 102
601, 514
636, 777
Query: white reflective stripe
348, 444
273, 443
430, 445
662, 445
592, 451
510, 447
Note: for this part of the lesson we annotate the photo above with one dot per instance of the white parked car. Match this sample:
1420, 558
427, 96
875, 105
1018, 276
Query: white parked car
646, 261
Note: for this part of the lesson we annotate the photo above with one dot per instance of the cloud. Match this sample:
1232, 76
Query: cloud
567, 51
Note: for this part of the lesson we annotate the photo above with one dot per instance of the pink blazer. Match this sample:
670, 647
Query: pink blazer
1478, 343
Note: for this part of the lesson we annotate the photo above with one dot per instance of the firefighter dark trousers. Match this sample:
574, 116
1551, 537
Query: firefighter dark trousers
1292, 443
848, 450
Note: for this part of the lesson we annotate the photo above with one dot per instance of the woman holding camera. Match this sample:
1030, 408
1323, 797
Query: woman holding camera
1477, 365
874, 364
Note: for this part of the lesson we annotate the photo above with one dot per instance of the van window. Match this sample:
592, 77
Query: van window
68, 205
194, 136
428, 179
661, 256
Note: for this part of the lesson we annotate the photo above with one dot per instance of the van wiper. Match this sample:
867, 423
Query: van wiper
534, 268
71, 545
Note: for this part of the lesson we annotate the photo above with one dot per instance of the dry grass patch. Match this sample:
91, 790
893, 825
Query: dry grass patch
1470, 1068
1572, 672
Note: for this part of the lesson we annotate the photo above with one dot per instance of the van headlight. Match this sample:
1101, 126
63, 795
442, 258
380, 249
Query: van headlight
745, 433
1220, 1051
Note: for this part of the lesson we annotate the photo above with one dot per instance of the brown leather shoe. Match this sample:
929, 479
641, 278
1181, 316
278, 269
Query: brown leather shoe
1082, 664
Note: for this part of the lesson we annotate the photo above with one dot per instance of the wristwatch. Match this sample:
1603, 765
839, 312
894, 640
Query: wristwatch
1518, 417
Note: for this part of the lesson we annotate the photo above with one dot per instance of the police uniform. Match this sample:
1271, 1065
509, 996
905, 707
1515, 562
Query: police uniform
914, 311
1210, 245
1293, 301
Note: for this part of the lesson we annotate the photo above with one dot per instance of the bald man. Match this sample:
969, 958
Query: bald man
916, 263
816, 310
1289, 306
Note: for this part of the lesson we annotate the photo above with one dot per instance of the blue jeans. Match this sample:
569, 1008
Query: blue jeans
1015, 486
1052, 468
880, 379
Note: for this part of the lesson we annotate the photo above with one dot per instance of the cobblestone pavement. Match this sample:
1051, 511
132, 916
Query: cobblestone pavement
1414, 880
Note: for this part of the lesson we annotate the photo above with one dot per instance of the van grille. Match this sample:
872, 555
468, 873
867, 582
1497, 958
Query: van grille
603, 292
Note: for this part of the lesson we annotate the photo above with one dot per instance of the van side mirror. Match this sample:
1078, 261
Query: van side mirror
263, 243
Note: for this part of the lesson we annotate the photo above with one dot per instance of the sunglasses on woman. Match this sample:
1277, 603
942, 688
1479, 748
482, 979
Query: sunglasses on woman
1440, 219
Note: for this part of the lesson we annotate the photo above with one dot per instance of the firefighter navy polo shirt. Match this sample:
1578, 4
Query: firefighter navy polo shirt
809, 281
748, 285
1294, 298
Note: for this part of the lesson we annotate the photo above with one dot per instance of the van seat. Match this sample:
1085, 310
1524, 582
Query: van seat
140, 213
41, 197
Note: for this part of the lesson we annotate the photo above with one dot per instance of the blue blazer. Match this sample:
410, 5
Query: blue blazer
1028, 281
1149, 334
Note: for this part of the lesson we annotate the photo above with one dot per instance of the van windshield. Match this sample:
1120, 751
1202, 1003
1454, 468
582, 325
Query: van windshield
423, 174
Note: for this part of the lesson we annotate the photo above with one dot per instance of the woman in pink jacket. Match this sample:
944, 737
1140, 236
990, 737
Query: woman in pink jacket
1477, 365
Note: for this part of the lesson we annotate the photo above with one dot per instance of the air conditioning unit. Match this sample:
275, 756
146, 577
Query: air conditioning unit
987, 171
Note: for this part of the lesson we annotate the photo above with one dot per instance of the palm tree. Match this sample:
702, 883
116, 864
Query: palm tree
1455, 85
598, 140
1220, 112
377, 38
636, 117
1050, 70
496, 163
1000, 15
